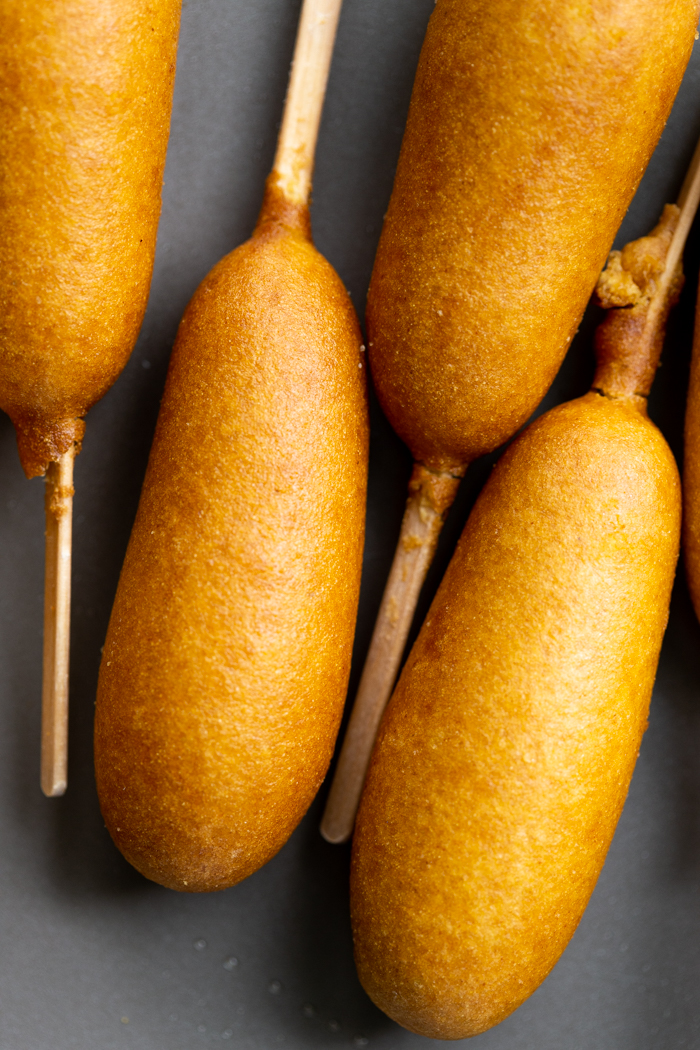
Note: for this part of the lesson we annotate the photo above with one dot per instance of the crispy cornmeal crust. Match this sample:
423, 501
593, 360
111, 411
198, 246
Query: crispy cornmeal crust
530, 126
228, 652
506, 752
85, 97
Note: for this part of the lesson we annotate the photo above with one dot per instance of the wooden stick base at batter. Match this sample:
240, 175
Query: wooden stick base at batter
54, 708
313, 51
430, 497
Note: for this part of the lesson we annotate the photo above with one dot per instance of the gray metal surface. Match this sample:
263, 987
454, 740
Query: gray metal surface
92, 956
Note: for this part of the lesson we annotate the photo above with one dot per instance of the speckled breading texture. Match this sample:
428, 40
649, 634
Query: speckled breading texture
505, 755
85, 98
530, 126
691, 474
228, 652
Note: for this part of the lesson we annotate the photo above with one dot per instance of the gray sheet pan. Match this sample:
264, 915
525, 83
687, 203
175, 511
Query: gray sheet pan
94, 957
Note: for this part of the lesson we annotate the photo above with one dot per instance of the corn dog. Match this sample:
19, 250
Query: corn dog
228, 652
85, 100
85, 97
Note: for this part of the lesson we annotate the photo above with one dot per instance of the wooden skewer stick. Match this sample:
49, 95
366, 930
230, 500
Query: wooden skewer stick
688, 201
430, 497
313, 51
419, 534
54, 706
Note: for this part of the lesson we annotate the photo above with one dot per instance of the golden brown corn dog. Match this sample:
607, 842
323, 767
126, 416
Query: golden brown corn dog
85, 96
504, 757
530, 126
86, 91
228, 652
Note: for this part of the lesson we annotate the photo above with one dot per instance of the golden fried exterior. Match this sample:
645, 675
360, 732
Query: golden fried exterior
85, 97
530, 126
506, 752
228, 653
